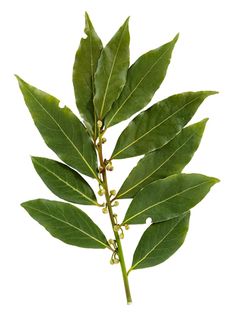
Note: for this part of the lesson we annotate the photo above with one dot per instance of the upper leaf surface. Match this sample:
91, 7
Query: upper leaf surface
168, 160
61, 129
144, 77
167, 198
160, 241
67, 223
85, 65
156, 126
64, 181
111, 71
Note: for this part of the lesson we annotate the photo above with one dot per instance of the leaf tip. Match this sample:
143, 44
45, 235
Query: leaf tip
175, 39
212, 92
23, 204
215, 180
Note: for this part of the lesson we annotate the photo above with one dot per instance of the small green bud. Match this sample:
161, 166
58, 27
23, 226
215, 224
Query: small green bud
112, 261
101, 192
109, 166
99, 124
111, 241
105, 210
100, 169
113, 192
116, 203
122, 235
126, 226
116, 228
104, 140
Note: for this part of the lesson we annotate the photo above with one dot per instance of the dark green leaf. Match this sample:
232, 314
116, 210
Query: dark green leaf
85, 65
61, 129
64, 181
67, 223
111, 72
160, 241
143, 79
167, 198
156, 126
170, 159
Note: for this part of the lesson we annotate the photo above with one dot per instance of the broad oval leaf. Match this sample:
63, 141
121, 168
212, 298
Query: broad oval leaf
156, 126
144, 77
163, 162
64, 182
85, 65
111, 71
61, 130
167, 198
67, 223
160, 241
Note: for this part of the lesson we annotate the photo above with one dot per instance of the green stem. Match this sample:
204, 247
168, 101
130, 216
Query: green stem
113, 223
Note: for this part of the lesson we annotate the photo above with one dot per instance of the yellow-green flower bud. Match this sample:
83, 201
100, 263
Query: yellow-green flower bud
104, 140
112, 261
99, 124
113, 192
101, 192
126, 226
122, 235
105, 210
116, 228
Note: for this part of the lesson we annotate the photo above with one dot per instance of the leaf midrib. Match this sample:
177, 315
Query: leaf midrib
73, 145
153, 248
165, 200
159, 167
138, 84
69, 224
67, 183
154, 127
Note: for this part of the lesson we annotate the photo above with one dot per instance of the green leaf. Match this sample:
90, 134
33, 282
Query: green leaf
67, 223
64, 181
61, 129
167, 198
85, 65
160, 241
156, 126
144, 77
163, 162
111, 72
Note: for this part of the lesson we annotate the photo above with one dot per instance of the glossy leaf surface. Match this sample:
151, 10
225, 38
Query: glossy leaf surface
167, 198
67, 223
143, 79
111, 72
61, 130
156, 126
163, 162
64, 181
160, 241
85, 65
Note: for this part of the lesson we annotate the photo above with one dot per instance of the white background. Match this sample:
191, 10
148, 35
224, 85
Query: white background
40, 275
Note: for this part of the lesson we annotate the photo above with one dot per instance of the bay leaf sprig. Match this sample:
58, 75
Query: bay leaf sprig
108, 91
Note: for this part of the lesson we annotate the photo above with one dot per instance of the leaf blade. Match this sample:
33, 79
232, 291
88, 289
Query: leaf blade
85, 65
67, 223
144, 77
64, 181
169, 159
57, 126
168, 198
160, 241
153, 128
111, 72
